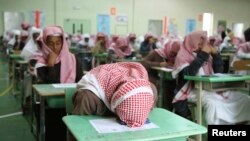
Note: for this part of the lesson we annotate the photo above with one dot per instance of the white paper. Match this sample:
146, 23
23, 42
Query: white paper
67, 85
110, 125
163, 69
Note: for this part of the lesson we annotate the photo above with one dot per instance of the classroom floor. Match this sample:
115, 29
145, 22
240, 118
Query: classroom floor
13, 125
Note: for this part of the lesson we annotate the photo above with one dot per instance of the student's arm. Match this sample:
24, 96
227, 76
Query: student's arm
197, 63
49, 74
79, 70
242, 54
217, 63
192, 69
149, 60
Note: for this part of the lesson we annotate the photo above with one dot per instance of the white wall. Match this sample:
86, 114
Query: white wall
138, 11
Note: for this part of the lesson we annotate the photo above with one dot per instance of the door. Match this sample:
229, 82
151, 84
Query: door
77, 26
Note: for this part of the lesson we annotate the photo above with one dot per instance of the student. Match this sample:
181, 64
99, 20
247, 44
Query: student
56, 65
163, 57
120, 49
148, 44
243, 51
122, 88
131, 41
31, 48
20, 43
101, 44
196, 57
244, 48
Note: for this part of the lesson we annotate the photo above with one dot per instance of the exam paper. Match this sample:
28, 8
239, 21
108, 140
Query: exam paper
110, 125
66, 85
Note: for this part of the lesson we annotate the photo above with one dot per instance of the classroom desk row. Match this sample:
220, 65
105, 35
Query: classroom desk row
170, 126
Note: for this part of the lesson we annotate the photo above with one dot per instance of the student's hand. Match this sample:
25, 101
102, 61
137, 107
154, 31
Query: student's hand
207, 49
138, 56
51, 59
163, 64
214, 50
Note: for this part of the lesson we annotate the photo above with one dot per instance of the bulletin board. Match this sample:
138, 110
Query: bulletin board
13, 20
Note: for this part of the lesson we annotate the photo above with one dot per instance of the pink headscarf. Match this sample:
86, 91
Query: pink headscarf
25, 25
185, 57
101, 34
217, 40
132, 35
245, 47
121, 42
165, 52
125, 90
67, 59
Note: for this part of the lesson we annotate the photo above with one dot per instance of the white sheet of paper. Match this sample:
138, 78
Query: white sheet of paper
110, 125
67, 85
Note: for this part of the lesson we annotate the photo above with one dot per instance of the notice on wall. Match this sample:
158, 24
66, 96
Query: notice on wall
190, 25
103, 24
172, 26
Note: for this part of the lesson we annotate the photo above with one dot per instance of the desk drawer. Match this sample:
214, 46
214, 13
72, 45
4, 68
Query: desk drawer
215, 86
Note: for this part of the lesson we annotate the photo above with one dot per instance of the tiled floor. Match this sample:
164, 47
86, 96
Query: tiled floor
12, 127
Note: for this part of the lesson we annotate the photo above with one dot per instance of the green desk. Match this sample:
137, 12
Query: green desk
171, 128
13, 58
129, 60
165, 74
214, 83
45, 91
98, 58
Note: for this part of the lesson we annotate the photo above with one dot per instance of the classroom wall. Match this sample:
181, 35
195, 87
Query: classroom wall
138, 11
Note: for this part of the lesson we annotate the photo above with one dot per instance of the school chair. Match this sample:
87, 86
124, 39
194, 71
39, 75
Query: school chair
68, 99
242, 65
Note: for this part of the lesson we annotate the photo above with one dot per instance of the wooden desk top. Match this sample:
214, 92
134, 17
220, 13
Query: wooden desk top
171, 126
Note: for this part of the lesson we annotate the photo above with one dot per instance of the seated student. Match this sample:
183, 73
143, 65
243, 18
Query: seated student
101, 44
196, 57
20, 43
122, 88
148, 44
244, 48
163, 57
85, 44
243, 51
120, 49
56, 65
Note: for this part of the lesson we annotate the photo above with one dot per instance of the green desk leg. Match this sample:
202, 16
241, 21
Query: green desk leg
42, 119
160, 96
199, 107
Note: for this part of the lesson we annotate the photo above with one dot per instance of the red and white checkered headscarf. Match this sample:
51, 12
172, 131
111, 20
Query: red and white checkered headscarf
124, 88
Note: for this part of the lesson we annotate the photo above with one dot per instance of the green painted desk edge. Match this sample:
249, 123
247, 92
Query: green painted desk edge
217, 79
199, 129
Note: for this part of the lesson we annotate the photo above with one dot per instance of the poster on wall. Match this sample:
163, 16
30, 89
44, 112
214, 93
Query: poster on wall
37, 19
103, 24
13, 20
221, 26
172, 26
155, 27
190, 25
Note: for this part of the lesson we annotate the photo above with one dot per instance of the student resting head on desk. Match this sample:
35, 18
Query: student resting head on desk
196, 57
122, 88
